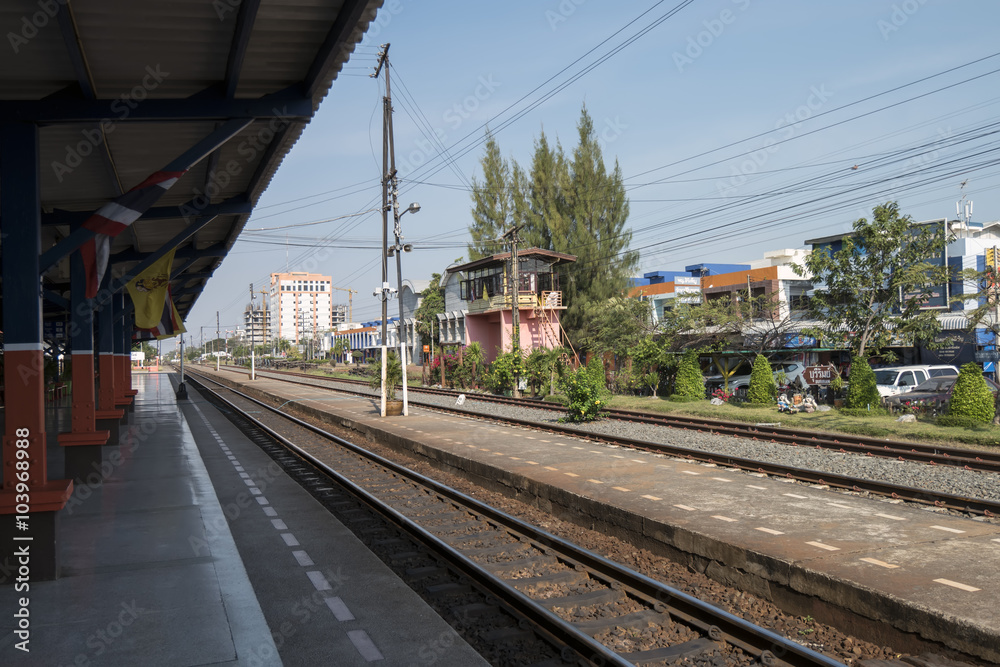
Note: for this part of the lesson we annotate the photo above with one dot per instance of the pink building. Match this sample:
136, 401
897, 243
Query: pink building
485, 289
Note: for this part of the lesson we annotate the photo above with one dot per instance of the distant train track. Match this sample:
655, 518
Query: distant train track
841, 442
542, 579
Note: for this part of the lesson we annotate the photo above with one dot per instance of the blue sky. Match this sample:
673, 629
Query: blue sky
736, 123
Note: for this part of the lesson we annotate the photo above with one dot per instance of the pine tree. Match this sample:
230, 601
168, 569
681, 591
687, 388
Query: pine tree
762, 388
541, 197
690, 383
493, 202
597, 208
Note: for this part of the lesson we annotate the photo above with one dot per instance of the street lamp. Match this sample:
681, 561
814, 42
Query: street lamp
399, 249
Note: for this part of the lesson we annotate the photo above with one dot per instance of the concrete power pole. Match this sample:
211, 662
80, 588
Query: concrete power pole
515, 313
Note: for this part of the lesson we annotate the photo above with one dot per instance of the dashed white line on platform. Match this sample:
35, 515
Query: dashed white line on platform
621, 488
255, 491
947, 530
303, 558
319, 582
823, 546
290, 540
550, 468
759, 488
723, 518
955, 584
686, 508
617, 456
262, 500
532, 463
769, 531
652, 498
279, 524
721, 479
595, 451
875, 561
575, 447
690, 472
890, 516
339, 609
571, 474
514, 458
365, 645
843, 507
793, 495
637, 461
595, 481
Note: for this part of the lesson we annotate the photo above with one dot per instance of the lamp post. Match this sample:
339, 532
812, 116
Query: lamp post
399, 249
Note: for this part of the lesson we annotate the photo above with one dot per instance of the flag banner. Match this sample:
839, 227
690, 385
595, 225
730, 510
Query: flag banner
115, 217
169, 325
149, 292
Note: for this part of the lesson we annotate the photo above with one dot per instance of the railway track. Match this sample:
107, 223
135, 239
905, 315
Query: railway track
530, 586
958, 503
842, 442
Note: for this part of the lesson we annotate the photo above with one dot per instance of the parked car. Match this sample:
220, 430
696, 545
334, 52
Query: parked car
902, 379
784, 372
931, 396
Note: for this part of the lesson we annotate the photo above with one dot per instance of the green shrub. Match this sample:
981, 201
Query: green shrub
393, 375
862, 389
961, 421
585, 392
556, 398
689, 381
971, 397
762, 389
502, 373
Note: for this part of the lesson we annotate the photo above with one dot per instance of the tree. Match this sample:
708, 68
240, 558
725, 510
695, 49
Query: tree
873, 288
971, 396
540, 197
597, 208
762, 388
985, 315
431, 303
616, 325
862, 389
493, 202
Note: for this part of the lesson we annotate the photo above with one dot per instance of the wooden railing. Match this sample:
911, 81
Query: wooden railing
524, 300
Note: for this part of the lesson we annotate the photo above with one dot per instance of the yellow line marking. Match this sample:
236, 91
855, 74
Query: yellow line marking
652, 498
823, 546
947, 530
723, 518
875, 561
769, 531
595, 481
890, 516
686, 508
955, 584
621, 488
759, 488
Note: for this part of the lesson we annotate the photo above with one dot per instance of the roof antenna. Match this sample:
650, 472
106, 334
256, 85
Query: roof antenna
963, 208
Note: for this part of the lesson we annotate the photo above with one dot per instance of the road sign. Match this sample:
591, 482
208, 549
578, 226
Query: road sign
427, 348
983, 356
821, 375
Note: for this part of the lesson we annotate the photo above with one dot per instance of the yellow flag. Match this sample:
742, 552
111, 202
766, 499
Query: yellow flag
149, 292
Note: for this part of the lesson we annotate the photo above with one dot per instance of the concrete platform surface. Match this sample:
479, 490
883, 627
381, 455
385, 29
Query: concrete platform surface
190, 547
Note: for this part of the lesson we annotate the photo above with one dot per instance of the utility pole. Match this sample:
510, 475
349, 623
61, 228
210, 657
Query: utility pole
383, 59
515, 312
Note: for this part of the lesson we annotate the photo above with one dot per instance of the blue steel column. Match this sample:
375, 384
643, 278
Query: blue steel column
122, 397
26, 493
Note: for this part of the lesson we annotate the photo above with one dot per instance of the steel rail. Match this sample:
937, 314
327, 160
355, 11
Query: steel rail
716, 623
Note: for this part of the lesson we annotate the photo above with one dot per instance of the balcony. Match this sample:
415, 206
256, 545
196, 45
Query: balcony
525, 300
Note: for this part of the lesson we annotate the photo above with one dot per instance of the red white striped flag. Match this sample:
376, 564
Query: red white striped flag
170, 323
114, 217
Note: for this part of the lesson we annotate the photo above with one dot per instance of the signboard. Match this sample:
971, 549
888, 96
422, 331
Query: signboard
821, 375
138, 356
427, 349
52, 330
982, 356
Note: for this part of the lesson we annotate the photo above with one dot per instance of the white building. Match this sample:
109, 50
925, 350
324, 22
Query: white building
302, 306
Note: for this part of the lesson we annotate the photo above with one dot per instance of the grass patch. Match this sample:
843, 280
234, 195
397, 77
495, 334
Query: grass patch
881, 426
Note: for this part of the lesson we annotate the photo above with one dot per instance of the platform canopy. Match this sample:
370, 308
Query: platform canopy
120, 89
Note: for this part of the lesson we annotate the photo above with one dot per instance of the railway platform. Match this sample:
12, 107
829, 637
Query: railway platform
892, 573
186, 545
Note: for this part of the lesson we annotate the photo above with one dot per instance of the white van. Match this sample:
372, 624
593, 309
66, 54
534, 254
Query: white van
901, 379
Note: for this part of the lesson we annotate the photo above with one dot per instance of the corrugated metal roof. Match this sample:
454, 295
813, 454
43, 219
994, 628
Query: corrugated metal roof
121, 88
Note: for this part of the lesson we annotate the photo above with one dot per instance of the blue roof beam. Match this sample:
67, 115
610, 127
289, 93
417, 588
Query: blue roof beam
241, 39
336, 44
239, 205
